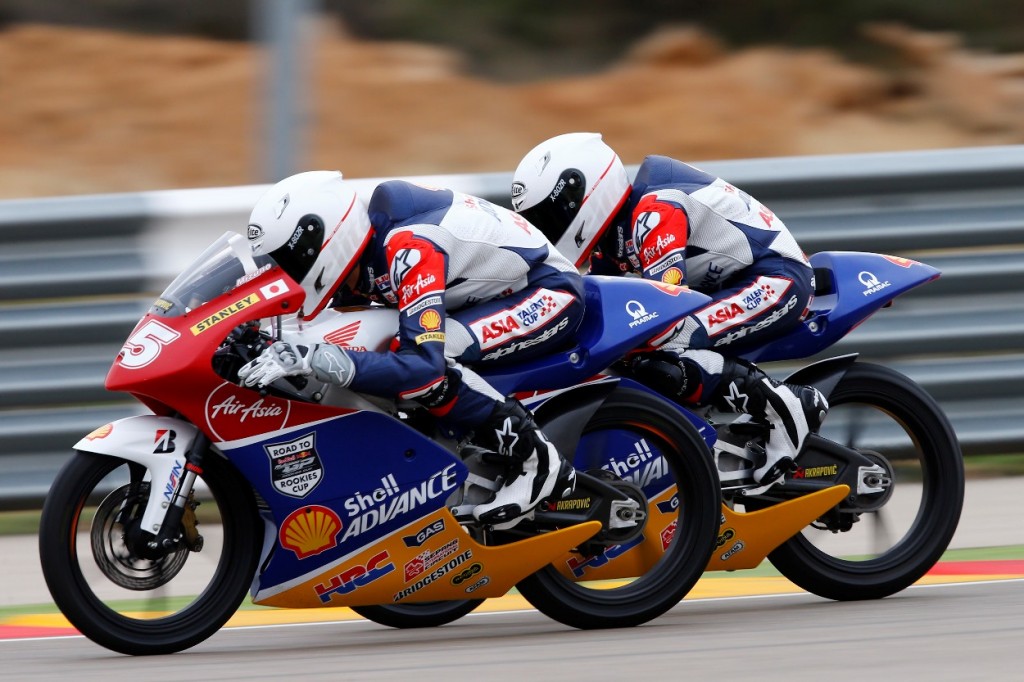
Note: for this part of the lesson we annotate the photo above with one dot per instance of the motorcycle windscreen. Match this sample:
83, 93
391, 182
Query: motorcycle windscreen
224, 266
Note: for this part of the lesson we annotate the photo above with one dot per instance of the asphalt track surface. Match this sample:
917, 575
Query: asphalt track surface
964, 621
955, 631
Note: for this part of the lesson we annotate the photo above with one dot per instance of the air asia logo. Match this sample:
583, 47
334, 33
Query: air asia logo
295, 467
232, 413
871, 283
164, 441
355, 577
344, 335
411, 292
639, 313
657, 250
310, 530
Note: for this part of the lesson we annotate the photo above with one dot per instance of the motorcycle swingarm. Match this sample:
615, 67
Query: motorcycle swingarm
824, 463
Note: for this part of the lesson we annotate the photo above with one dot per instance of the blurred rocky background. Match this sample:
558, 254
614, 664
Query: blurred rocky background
126, 95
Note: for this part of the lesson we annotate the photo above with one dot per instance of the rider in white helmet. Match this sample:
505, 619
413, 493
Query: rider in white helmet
469, 279
679, 225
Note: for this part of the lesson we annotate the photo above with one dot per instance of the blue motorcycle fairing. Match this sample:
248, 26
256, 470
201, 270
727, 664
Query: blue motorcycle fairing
850, 286
370, 471
621, 314
552, 412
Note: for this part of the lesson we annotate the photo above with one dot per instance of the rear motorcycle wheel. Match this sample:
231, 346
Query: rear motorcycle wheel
129, 603
876, 409
654, 450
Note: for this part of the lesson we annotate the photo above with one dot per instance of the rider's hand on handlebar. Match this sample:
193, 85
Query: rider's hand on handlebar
325, 361
282, 359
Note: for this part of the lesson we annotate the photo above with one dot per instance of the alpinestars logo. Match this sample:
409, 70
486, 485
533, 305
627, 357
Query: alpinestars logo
507, 438
404, 261
737, 401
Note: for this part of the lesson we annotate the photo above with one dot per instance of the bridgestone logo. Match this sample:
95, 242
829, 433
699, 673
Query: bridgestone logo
434, 575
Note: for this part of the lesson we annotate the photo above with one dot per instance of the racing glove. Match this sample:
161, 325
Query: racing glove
326, 362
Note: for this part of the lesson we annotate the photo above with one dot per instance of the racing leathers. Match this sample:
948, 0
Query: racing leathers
683, 226
474, 283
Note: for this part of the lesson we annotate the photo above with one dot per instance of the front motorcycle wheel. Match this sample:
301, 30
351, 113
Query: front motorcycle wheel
640, 438
878, 410
124, 597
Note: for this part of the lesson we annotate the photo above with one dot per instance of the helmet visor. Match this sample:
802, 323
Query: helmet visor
297, 255
557, 210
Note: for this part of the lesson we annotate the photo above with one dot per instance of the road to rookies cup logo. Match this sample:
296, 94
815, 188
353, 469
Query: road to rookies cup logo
295, 466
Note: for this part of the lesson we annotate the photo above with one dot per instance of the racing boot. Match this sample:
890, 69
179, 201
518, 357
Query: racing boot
792, 412
534, 469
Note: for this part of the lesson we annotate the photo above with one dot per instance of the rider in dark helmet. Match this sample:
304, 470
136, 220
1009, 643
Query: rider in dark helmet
474, 283
679, 225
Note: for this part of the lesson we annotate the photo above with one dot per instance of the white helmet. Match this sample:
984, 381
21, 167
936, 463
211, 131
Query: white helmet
570, 187
315, 227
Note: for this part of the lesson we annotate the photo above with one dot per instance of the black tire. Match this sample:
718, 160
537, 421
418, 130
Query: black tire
180, 621
869, 406
418, 615
648, 596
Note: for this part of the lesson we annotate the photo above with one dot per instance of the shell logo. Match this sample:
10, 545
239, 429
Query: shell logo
430, 320
101, 432
310, 530
672, 276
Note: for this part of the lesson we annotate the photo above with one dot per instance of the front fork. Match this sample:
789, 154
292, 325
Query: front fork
179, 521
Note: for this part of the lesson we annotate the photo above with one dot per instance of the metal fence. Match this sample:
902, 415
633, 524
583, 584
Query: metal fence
76, 273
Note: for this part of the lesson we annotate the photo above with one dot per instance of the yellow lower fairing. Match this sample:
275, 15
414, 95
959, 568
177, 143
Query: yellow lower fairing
746, 538
433, 559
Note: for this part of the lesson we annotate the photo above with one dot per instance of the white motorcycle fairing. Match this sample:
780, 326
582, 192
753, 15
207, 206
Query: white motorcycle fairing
157, 443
